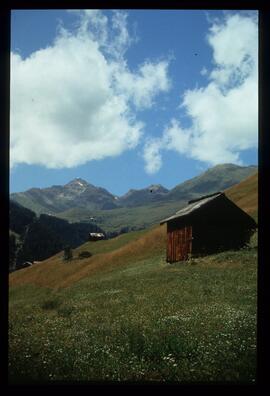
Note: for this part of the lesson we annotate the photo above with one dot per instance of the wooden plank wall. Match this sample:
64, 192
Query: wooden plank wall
179, 243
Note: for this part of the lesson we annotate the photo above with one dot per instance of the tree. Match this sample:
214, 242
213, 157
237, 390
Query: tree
67, 253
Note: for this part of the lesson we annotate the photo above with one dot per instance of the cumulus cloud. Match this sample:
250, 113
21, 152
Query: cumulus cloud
224, 113
75, 100
152, 155
142, 87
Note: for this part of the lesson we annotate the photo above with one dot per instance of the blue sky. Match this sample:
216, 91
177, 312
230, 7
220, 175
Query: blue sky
129, 98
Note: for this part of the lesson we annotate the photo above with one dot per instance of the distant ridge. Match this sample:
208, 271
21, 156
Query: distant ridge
218, 178
79, 199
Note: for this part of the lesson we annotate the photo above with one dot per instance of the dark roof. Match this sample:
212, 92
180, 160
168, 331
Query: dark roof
193, 205
205, 196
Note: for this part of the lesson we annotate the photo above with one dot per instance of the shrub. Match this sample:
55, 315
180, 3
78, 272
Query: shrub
65, 311
51, 304
84, 254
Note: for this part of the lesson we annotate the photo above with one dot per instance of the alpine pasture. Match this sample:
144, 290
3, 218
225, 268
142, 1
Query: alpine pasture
124, 314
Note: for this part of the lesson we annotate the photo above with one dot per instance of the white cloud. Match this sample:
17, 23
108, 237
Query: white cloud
143, 87
234, 41
73, 101
152, 155
223, 114
204, 71
175, 137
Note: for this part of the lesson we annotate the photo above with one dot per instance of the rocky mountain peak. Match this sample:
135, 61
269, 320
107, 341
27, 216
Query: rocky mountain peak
78, 182
157, 188
79, 194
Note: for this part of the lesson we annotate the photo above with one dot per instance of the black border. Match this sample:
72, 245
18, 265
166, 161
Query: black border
4, 186
264, 167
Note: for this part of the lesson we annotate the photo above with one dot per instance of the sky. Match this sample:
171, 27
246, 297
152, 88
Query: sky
128, 98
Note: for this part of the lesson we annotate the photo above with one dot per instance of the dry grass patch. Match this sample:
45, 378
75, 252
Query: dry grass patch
56, 273
245, 194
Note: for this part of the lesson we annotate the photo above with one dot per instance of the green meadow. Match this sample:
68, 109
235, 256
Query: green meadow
137, 318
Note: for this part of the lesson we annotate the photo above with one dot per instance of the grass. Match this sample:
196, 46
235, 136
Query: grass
114, 219
107, 255
245, 195
127, 315
124, 314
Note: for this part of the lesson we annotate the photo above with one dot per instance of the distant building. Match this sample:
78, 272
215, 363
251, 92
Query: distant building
25, 265
96, 236
207, 225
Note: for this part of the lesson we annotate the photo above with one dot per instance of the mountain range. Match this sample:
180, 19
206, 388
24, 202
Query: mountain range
138, 246
78, 194
64, 215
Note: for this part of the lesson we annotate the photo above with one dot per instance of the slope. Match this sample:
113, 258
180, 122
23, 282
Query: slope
145, 213
56, 273
79, 201
144, 196
125, 249
245, 195
38, 238
55, 199
127, 315
218, 178
127, 219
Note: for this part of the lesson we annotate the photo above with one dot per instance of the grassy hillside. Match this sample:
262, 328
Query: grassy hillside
137, 318
55, 272
218, 178
139, 244
115, 219
31, 203
125, 314
245, 195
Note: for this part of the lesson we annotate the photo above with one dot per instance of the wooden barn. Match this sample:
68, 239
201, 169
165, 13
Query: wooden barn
207, 225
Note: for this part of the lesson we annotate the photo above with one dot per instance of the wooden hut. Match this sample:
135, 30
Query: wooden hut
96, 236
207, 225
